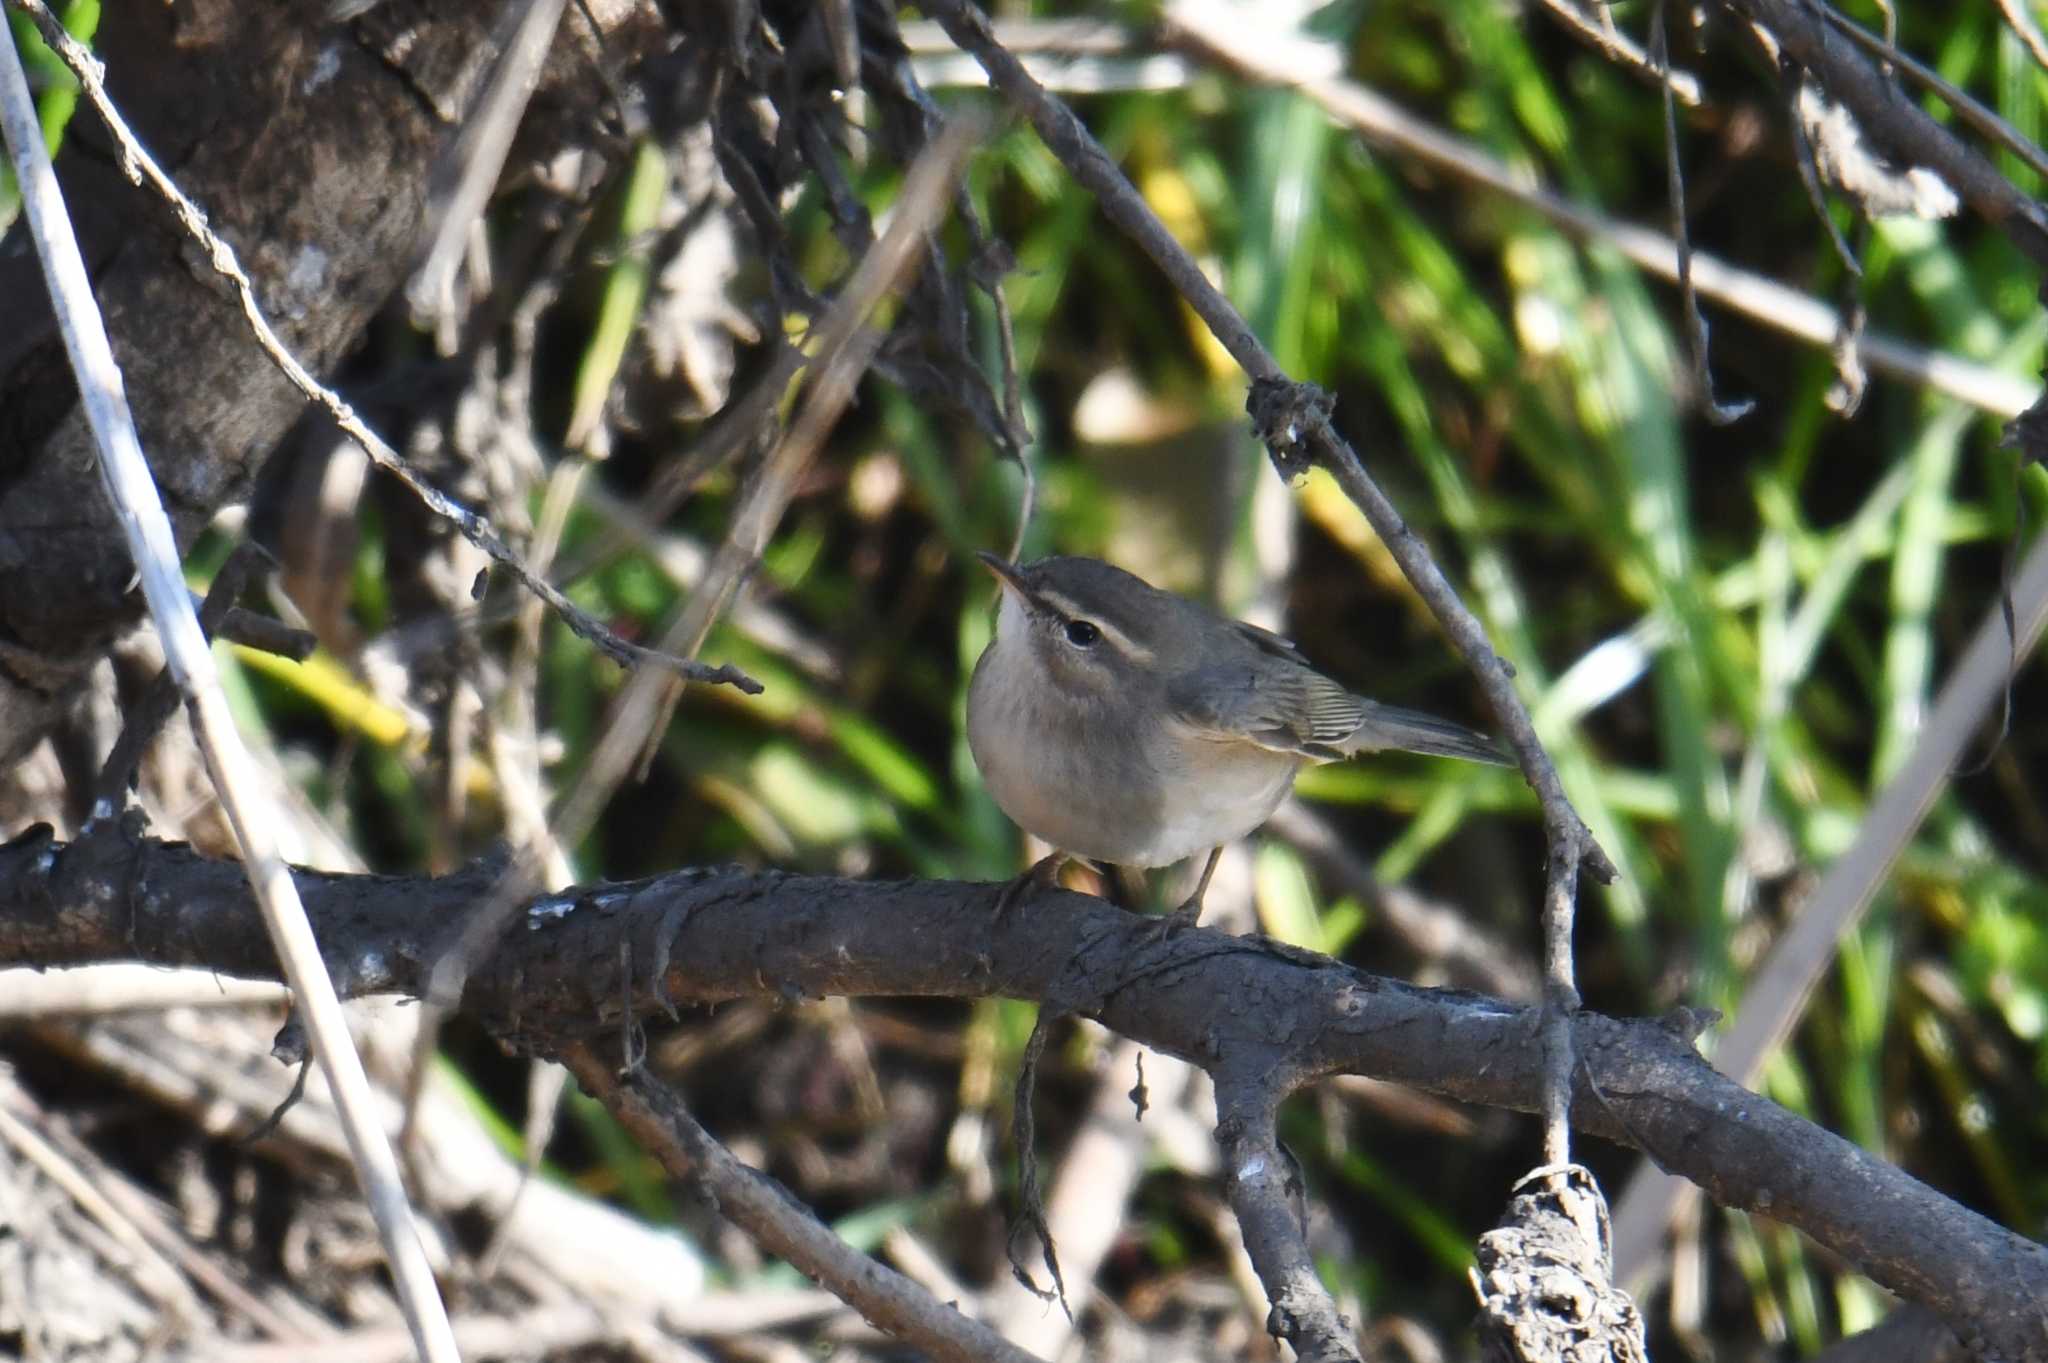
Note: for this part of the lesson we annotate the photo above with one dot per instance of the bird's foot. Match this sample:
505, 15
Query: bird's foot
1178, 921
1043, 876
1190, 912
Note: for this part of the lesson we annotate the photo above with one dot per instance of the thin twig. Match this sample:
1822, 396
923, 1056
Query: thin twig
1809, 176
150, 1269
753, 1201
846, 346
1087, 1209
160, 701
562, 1329
2022, 22
1759, 298
477, 529
1778, 991
470, 166
1030, 1197
1560, 996
1620, 49
153, 1221
519, 785
843, 345
126, 477
1294, 421
736, 431
1716, 411
1851, 378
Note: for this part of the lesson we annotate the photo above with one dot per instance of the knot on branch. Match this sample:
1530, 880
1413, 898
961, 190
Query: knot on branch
1545, 1277
1284, 415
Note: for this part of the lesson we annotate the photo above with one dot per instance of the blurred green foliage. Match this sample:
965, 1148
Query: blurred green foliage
1728, 634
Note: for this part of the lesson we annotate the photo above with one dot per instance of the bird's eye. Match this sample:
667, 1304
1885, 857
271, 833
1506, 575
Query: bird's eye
1082, 634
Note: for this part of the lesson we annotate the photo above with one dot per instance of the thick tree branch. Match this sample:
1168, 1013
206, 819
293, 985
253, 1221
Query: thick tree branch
1237, 1006
222, 258
310, 144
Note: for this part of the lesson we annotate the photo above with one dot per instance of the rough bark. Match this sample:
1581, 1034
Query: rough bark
580, 966
310, 145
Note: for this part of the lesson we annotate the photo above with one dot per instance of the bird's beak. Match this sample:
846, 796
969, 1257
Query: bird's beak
1006, 574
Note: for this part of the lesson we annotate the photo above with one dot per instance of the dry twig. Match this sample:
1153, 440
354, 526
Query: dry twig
652, 1112
1620, 49
2022, 20
1761, 299
1716, 411
1778, 991
125, 475
477, 529
1293, 419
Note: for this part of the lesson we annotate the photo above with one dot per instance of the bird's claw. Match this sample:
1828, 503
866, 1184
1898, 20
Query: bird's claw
1043, 876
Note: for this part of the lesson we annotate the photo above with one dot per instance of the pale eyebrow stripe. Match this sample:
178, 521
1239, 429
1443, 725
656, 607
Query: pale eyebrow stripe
1128, 646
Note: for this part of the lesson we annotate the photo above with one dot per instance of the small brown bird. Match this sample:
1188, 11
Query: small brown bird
1128, 725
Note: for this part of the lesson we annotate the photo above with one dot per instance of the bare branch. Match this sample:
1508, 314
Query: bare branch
1906, 132
845, 346
1233, 1005
1761, 299
1971, 111
653, 1113
1265, 1189
477, 529
1716, 411
1293, 420
2022, 21
1622, 50
471, 165
125, 478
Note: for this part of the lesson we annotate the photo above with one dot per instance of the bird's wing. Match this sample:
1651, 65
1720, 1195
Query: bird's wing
1268, 642
1281, 705
1272, 701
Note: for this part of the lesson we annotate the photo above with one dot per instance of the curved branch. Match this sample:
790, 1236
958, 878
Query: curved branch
1236, 1006
765, 1210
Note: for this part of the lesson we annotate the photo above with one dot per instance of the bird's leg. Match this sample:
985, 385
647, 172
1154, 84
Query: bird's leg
1128, 889
1043, 876
1190, 911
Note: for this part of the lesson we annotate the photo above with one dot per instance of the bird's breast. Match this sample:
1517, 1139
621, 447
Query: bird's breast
1110, 788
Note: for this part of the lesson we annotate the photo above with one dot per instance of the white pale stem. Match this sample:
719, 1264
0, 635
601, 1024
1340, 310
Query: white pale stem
134, 497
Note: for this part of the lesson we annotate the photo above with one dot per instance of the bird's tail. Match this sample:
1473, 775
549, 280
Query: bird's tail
1390, 726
